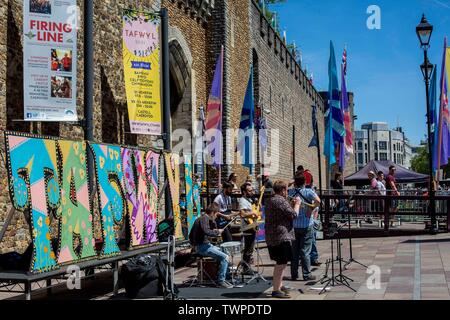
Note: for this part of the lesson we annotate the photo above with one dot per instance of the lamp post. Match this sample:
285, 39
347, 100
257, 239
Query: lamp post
424, 31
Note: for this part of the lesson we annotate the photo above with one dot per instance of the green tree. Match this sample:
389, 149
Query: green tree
420, 162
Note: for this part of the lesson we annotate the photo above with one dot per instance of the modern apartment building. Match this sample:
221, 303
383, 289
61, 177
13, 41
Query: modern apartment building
375, 141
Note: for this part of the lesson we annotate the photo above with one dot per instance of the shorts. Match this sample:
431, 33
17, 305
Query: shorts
282, 253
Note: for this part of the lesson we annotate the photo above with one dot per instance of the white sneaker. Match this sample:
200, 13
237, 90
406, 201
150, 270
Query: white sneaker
225, 285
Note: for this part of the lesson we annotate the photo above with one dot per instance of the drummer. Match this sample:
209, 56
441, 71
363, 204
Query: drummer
203, 228
246, 211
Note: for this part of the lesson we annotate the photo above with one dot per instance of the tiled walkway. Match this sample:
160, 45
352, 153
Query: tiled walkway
415, 267
410, 268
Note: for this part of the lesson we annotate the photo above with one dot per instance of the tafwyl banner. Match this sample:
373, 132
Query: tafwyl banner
50, 60
141, 56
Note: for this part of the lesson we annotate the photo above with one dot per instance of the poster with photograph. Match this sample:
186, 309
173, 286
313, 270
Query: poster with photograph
141, 64
50, 60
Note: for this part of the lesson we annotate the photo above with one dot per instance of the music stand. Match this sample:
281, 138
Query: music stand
332, 281
351, 259
257, 275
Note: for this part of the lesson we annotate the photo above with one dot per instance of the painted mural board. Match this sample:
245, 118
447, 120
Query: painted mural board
48, 179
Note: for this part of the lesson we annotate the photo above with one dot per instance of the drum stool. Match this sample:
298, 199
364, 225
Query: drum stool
206, 268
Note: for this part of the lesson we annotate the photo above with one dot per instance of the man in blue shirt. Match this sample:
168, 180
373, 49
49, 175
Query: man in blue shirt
304, 228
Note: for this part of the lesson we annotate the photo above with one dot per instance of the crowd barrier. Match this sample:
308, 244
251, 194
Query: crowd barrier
387, 208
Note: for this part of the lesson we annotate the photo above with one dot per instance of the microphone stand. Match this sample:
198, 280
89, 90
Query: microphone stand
351, 260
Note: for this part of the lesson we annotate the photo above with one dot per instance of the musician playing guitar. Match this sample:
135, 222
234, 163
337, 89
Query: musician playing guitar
248, 215
223, 200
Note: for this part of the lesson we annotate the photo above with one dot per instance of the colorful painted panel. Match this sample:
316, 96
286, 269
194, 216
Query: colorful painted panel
33, 174
76, 238
109, 175
196, 198
152, 171
136, 193
172, 165
189, 193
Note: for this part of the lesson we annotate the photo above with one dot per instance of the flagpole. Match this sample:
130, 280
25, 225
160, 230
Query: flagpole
440, 116
293, 150
319, 158
205, 162
252, 163
219, 185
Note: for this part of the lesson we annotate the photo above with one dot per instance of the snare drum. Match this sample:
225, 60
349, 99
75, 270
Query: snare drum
231, 248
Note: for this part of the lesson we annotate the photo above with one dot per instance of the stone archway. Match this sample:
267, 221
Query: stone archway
181, 95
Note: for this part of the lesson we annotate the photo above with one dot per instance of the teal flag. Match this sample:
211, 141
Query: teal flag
335, 129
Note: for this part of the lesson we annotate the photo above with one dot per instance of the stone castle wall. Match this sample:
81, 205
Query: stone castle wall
195, 43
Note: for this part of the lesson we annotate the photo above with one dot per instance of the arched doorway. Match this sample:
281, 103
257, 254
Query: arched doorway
180, 88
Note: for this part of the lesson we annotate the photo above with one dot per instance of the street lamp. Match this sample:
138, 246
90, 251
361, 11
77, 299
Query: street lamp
424, 31
427, 69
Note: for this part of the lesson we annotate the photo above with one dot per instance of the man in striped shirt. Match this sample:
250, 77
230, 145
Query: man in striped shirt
303, 228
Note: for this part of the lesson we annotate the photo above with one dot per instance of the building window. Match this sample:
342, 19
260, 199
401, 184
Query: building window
366, 158
360, 158
365, 146
383, 145
395, 147
395, 158
360, 145
383, 156
376, 156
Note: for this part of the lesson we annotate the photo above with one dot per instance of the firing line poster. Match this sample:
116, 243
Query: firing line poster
50, 60
141, 60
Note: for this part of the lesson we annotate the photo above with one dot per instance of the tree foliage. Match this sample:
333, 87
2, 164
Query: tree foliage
420, 162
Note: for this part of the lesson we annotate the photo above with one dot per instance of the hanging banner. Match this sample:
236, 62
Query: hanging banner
50, 60
141, 51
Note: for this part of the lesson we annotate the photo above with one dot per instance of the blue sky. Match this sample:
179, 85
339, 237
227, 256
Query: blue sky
383, 65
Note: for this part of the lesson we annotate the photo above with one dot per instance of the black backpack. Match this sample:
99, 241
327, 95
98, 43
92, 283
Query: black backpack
145, 277
165, 229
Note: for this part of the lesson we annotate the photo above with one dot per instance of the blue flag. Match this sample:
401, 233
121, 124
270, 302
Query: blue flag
246, 132
434, 120
335, 130
314, 141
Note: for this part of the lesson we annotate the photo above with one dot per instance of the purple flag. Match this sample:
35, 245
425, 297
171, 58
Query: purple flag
444, 116
214, 109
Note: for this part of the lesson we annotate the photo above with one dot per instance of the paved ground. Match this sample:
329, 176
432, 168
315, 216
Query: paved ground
412, 268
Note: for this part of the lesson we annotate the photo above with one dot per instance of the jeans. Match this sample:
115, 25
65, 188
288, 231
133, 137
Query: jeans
301, 250
314, 253
208, 250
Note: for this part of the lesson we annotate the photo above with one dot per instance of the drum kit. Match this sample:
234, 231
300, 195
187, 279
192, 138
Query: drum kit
235, 249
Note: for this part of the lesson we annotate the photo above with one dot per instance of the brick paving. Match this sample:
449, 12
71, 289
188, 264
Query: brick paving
412, 268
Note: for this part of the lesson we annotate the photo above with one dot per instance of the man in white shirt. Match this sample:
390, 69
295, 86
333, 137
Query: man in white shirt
246, 212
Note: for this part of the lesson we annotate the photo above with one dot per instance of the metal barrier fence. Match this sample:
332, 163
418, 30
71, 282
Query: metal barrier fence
406, 207
410, 206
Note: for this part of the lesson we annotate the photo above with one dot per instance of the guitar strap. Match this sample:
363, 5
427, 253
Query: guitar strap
298, 192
